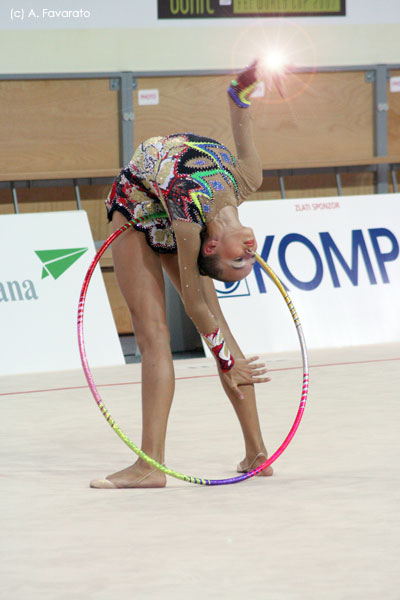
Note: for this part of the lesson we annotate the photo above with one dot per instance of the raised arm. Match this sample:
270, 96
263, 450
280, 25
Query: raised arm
249, 163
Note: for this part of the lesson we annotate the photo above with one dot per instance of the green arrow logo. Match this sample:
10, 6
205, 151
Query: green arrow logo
56, 262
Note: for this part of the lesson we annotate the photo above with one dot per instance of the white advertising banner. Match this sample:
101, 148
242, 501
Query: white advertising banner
339, 260
44, 258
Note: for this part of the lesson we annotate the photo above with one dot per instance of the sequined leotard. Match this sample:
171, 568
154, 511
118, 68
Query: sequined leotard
181, 175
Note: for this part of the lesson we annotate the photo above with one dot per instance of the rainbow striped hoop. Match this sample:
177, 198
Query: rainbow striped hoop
124, 437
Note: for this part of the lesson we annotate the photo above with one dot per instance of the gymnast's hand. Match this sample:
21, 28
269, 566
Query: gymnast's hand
276, 74
244, 372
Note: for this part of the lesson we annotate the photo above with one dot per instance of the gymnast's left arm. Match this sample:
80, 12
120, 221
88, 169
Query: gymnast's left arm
248, 167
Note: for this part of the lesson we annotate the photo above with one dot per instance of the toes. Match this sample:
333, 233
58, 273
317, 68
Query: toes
103, 484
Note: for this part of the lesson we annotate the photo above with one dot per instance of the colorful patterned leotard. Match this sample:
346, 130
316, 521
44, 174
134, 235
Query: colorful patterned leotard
181, 175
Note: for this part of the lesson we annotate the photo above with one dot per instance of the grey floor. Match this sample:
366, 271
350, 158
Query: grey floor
325, 527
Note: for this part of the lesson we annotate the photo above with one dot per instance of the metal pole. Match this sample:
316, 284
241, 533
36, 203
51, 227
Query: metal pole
128, 83
77, 195
381, 127
15, 197
282, 186
394, 179
338, 182
382, 176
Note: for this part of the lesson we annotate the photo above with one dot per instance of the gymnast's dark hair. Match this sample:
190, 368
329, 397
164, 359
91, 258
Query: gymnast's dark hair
208, 265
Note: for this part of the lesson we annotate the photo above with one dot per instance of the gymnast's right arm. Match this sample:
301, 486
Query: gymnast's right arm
237, 371
188, 243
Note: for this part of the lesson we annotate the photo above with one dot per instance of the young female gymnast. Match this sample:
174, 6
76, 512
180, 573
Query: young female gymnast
199, 184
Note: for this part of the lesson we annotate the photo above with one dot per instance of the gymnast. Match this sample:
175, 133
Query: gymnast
199, 185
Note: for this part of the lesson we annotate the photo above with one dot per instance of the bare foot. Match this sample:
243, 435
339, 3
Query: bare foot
248, 465
139, 475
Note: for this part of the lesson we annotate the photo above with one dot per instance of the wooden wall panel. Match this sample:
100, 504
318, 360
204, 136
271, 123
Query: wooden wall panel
6, 203
47, 199
356, 184
39, 199
119, 308
93, 198
327, 119
69, 126
316, 185
195, 104
58, 126
118, 305
394, 120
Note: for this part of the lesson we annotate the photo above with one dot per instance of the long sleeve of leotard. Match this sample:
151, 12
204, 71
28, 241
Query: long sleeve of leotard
188, 242
249, 169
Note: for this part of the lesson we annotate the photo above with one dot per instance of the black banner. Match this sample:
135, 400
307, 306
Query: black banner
230, 9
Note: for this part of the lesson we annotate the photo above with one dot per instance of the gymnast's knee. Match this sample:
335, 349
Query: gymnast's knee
152, 337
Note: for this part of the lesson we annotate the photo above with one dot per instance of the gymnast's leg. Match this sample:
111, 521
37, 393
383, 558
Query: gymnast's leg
139, 274
246, 409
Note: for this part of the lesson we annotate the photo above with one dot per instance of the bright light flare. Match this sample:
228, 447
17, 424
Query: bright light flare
275, 61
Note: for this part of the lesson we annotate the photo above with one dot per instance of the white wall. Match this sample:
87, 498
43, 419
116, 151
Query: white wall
126, 35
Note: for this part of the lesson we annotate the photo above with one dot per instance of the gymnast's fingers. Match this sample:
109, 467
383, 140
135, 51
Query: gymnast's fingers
257, 367
251, 360
258, 372
261, 380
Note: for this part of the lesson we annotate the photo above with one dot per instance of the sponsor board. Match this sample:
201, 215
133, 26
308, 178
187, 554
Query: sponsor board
229, 9
339, 260
45, 257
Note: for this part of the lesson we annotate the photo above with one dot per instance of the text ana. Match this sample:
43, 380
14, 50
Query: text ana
13, 291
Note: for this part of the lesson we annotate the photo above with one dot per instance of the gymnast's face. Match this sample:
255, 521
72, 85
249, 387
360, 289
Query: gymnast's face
236, 254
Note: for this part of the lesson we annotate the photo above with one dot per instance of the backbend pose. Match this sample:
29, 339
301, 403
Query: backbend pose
199, 184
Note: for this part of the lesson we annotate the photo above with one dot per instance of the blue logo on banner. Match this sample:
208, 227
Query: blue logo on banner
232, 289
380, 238
327, 259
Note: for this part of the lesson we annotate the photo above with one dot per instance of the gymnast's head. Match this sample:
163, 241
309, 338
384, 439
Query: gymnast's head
228, 256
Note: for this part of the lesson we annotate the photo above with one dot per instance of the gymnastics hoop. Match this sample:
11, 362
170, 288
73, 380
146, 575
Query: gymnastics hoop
116, 428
